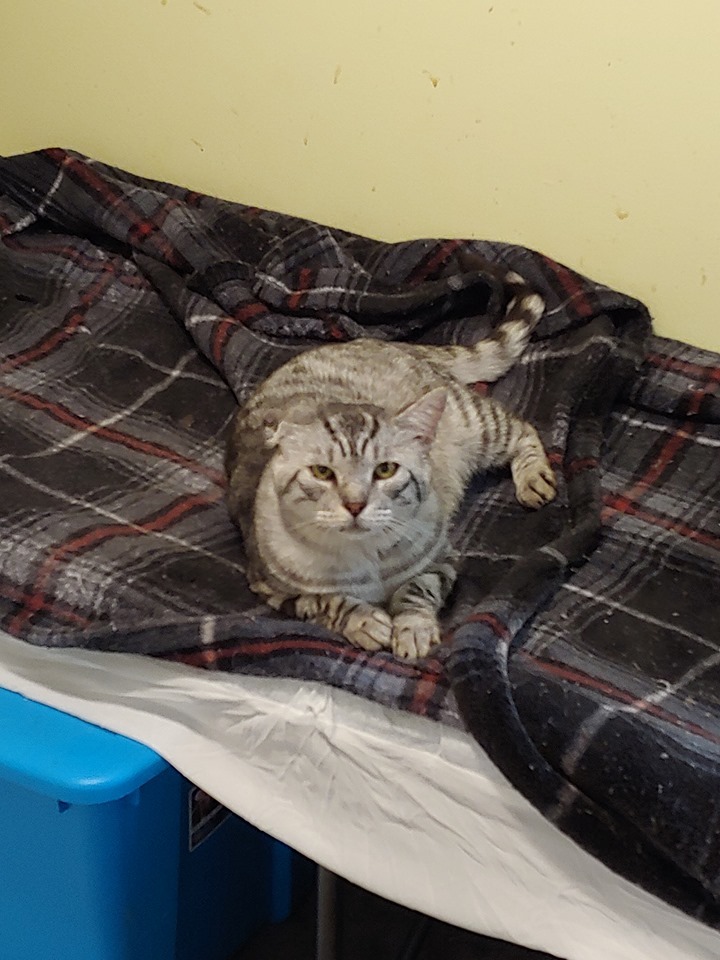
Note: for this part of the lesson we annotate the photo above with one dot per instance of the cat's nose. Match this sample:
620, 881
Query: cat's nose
354, 507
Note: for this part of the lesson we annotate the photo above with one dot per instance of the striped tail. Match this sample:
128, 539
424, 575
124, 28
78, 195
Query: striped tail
491, 358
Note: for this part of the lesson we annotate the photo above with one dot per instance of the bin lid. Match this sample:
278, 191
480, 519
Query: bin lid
63, 757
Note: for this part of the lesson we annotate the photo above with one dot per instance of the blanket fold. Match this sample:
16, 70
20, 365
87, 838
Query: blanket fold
580, 647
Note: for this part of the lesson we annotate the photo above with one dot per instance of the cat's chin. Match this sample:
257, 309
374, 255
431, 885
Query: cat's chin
352, 535
354, 531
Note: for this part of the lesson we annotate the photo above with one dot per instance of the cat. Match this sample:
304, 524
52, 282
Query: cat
346, 465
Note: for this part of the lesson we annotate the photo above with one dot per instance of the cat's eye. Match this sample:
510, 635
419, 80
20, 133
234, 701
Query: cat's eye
385, 470
322, 472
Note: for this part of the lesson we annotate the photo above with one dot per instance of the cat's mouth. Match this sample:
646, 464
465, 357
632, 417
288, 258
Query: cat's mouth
355, 527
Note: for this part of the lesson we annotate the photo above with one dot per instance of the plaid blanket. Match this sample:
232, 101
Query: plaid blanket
580, 645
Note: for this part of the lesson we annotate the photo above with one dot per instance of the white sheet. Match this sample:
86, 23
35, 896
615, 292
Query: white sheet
405, 807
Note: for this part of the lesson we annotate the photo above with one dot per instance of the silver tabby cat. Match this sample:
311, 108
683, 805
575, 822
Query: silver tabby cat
347, 464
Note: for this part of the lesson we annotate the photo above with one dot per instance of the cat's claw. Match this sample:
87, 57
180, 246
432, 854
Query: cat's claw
414, 634
537, 485
368, 627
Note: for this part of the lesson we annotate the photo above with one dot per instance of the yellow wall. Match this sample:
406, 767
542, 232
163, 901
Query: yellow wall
588, 130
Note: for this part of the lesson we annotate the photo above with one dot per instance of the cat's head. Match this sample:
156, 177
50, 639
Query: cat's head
353, 473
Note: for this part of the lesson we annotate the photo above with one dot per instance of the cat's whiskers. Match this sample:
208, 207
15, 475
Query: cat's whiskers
318, 522
327, 522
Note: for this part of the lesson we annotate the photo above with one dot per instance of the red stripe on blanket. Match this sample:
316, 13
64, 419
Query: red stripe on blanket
425, 689
117, 200
55, 607
700, 372
617, 503
430, 671
247, 311
573, 467
641, 704
36, 596
39, 245
220, 337
224, 328
437, 258
666, 455
297, 296
489, 619
63, 415
572, 286
73, 320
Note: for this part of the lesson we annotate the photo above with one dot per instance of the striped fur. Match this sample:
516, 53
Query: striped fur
331, 537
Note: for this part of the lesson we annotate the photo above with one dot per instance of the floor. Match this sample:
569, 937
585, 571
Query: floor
371, 928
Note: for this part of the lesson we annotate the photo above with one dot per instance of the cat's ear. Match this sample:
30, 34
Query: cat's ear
282, 433
420, 420
274, 430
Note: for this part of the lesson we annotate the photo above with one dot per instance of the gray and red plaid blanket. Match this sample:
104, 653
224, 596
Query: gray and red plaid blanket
582, 646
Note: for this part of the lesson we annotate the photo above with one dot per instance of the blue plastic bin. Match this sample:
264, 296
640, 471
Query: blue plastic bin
108, 853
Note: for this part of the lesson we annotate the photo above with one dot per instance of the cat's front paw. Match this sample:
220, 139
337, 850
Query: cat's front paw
535, 484
368, 627
414, 634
